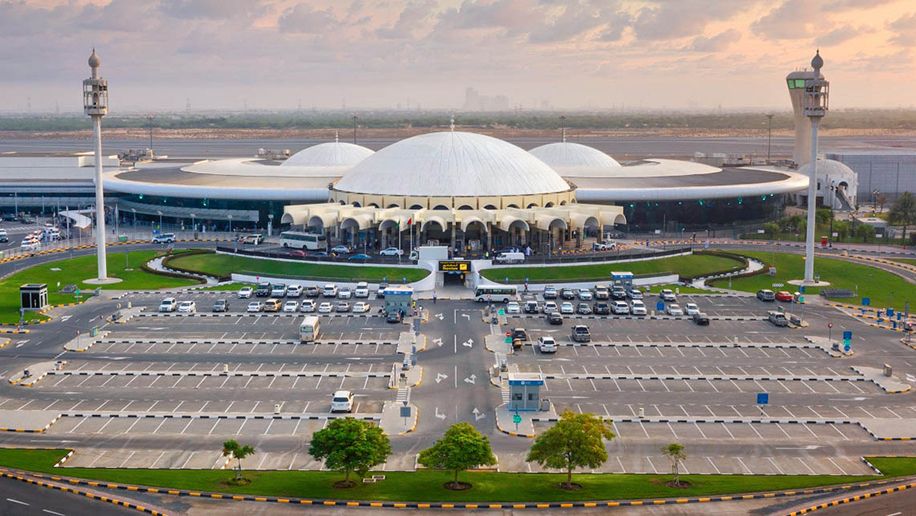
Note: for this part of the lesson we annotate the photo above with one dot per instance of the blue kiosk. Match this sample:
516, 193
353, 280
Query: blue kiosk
525, 391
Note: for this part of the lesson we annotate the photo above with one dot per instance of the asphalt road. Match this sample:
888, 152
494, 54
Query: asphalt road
21, 499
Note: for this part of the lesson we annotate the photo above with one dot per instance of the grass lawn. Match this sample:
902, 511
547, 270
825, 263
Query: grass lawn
884, 289
73, 271
426, 486
689, 265
221, 265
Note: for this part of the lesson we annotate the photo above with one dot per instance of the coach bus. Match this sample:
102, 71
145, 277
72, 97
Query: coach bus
503, 293
300, 240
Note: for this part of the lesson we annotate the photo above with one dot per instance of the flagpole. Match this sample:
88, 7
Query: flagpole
399, 241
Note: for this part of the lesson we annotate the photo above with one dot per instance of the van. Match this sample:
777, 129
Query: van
254, 239
169, 304
310, 329
510, 257
362, 290
272, 305
777, 318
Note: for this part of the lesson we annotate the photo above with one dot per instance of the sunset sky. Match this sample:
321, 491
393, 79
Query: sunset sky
598, 54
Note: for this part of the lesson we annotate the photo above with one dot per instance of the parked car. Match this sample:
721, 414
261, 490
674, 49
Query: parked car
359, 257
667, 295
278, 290
360, 307
169, 304
701, 319
340, 249
637, 307
342, 401
312, 291
585, 294
547, 344
164, 238
520, 334
634, 293
255, 306
391, 251
567, 308
550, 306
568, 293
691, 309
550, 292
221, 305
602, 292
330, 290
294, 291
307, 306
362, 290
272, 305
532, 307
620, 308
245, 292
618, 292
325, 308
602, 308
512, 307
394, 317
580, 333
342, 306
344, 293
766, 295
785, 296
777, 318
380, 292
674, 310
291, 306
554, 318
262, 290
583, 309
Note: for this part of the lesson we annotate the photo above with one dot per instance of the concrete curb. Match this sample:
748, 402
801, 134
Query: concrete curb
852, 499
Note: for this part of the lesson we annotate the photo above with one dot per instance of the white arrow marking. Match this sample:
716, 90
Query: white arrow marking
857, 398
438, 415
440, 316
471, 379
910, 378
65, 318
809, 447
440, 377
466, 315
438, 341
467, 344
478, 415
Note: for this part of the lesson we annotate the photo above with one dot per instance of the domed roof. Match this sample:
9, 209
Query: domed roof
448, 164
329, 154
828, 168
575, 157
94, 61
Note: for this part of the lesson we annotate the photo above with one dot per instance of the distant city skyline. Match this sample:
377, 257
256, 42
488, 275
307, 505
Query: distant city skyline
168, 55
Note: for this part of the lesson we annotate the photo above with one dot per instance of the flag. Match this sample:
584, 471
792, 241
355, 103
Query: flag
409, 221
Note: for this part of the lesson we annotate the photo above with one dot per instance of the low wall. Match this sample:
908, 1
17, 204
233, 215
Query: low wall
539, 287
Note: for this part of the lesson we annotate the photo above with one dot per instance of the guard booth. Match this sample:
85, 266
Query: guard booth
398, 299
525, 391
623, 279
33, 296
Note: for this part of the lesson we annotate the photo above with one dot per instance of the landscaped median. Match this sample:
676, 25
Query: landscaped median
128, 266
222, 266
694, 265
426, 486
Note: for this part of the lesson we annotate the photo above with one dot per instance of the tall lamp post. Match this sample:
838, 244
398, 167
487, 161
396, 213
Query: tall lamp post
95, 105
816, 103
769, 135
355, 119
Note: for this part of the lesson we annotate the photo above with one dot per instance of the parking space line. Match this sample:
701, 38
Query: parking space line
838, 431
649, 459
643, 429
781, 429
700, 430
805, 464
186, 426
755, 430
714, 465
743, 465
776, 466
131, 427
806, 427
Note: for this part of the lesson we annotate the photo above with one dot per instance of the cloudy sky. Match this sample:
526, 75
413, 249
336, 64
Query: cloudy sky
278, 54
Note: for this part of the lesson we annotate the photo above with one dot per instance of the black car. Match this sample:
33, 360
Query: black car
568, 293
519, 334
221, 305
394, 317
262, 290
312, 291
554, 318
602, 308
4, 239
701, 319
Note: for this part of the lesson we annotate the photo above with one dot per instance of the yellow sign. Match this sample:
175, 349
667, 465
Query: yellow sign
454, 266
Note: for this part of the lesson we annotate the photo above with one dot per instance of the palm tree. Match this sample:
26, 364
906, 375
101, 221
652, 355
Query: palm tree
234, 450
903, 212
676, 454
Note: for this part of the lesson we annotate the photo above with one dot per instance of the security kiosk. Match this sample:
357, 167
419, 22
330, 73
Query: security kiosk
624, 279
398, 299
33, 296
525, 391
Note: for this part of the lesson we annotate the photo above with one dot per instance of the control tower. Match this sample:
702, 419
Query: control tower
796, 83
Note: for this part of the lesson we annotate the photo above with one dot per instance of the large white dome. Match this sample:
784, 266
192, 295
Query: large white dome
447, 164
829, 168
330, 154
576, 160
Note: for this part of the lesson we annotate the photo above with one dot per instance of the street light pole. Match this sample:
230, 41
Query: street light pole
355, 118
769, 135
95, 104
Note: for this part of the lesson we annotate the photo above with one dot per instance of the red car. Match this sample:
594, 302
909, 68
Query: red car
297, 253
785, 296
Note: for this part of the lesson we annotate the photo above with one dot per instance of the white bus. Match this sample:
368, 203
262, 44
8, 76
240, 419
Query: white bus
300, 240
310, 329
498, 293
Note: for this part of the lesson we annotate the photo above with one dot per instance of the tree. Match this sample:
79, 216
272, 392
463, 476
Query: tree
865, 232
462, 447
350, 445
576, 441
676, 454
234, 450
903, 212
771, 229
822, 216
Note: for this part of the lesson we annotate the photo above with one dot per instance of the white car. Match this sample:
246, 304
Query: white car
187, 307
512, 307
344, 293
342, 306
391, 251
691, 309
325, 308
674, 309
620, 308
585, 294
361, 290
291, 306
245, 292
637, 307
278, 290
329, 290
567, 308
255, 306
342, 401
28, 245
307, 306
547, 345
168, 304
668, 295
294, 291
550, 306
360, 307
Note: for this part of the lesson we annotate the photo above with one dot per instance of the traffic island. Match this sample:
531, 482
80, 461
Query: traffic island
883, 378
398, 418
31, 421
890, 429
35, 372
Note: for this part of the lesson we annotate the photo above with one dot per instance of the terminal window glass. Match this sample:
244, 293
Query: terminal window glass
517, 396
531, 397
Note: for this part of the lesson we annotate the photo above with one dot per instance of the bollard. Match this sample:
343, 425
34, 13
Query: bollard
888, 371
276, 408
642, 412
225, 368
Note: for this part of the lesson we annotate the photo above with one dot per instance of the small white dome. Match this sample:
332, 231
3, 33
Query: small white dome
576, 160
446, 164
329, 154
829, 168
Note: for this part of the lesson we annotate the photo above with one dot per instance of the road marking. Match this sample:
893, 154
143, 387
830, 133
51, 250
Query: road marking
438, 415
55, 513
16, 501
